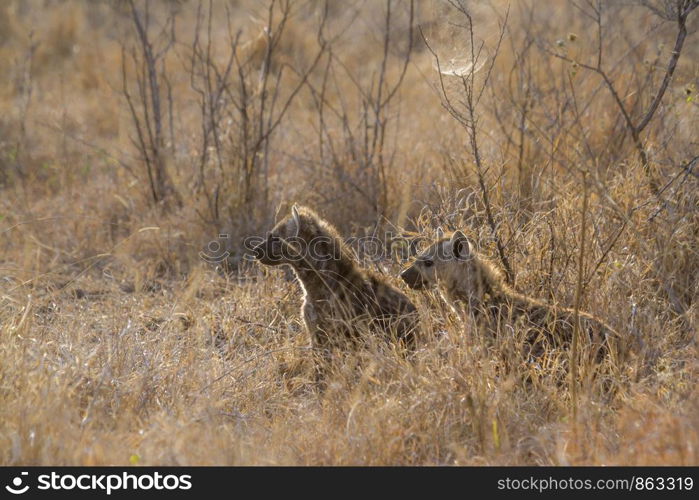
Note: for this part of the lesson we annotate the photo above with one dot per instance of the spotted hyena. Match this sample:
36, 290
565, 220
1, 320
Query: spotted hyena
341, 300
471, 285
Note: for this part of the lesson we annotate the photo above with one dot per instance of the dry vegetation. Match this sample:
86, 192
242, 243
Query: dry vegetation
132, 137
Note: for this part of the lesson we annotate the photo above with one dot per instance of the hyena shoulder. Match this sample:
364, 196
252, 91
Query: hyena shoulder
388, 296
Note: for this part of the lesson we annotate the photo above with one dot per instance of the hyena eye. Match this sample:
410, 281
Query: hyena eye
429, 263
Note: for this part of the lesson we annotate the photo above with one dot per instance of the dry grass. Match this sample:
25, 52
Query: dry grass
119, 345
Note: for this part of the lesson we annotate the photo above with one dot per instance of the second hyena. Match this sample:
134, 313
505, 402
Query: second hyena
470, 284
341, 300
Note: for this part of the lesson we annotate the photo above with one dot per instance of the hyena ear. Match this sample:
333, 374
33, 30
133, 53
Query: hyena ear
296, 218
460, 245
440, 233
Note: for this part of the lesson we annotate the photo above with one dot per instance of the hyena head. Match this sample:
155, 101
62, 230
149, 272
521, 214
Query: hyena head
300, 239
443, 263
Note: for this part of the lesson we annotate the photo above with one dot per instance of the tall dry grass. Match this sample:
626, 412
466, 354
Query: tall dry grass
120, 344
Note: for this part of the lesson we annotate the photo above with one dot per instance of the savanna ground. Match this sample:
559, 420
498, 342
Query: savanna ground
139, 142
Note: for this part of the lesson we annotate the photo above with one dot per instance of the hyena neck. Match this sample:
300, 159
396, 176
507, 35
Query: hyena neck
325, 281
327, 269
480, 287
